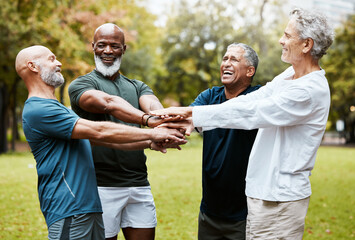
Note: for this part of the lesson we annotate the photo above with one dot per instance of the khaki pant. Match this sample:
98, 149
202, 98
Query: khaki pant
276, 220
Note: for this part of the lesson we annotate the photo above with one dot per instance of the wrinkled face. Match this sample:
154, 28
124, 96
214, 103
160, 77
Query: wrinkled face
292, 45
50, 69
234, 67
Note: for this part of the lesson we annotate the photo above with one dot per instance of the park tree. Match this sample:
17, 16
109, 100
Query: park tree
196, 39
66, 27
340, 71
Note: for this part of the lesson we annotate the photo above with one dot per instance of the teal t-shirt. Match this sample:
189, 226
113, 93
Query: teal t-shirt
114, 168
66, 175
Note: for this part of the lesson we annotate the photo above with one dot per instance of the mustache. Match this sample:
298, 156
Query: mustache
107, 55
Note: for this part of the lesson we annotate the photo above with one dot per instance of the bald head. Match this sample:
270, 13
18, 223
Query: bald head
27, 55
108, 29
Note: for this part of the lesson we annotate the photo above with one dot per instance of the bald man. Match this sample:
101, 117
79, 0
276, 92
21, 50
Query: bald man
67, 186
106, 95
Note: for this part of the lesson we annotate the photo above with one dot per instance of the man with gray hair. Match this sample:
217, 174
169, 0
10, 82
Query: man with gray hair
291, 113
223, 208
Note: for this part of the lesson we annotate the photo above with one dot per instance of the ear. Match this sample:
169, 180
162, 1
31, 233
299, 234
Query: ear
250, 71
32, 66
93, 45
307, 45
124, 49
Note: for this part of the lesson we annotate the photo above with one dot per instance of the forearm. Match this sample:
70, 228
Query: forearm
95, 101
124, 146
109, 132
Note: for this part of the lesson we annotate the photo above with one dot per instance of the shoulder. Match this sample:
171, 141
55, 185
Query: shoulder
34, 108
209, 96
214, 91
133, 81
90, 75
84, 79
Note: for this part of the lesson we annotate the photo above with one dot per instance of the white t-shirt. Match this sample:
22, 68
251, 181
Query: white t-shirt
291, 116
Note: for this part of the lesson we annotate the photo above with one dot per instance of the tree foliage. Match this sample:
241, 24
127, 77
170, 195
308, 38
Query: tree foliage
66, 27
339, 66
196, 39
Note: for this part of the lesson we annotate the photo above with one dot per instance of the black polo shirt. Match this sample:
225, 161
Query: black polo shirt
225, 160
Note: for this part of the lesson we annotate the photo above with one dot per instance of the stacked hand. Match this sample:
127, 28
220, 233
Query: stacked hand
173, 118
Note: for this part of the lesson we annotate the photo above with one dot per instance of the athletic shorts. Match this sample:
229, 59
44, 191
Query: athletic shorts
276, 220
78, 227
127, 207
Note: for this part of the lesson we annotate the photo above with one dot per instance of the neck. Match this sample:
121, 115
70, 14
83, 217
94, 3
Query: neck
305, 66
38, 88
234, 92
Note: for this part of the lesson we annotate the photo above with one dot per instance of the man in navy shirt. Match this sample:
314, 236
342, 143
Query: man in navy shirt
226, 152
67, 187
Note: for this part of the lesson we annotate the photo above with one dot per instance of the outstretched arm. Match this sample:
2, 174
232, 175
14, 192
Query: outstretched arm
178, 112
118, 133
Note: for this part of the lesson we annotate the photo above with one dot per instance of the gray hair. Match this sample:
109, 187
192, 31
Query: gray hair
249, 54
313, 25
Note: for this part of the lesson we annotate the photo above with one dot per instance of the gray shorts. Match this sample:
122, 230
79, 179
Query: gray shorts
210, 228
88, 226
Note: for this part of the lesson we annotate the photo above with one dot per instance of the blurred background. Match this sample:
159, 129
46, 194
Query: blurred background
173, 46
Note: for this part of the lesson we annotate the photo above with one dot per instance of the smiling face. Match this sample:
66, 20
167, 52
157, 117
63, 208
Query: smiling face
109, 46
235, 69
292, 45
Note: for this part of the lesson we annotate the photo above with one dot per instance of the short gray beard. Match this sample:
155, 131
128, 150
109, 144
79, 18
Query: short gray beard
107, 71
51, 77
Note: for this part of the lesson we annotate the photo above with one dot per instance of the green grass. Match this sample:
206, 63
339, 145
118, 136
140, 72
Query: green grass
175, 178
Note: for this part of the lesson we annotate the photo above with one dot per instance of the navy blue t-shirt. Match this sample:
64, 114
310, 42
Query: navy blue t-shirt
225, 160
66, 175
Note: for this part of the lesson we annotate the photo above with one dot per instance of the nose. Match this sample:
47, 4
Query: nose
226, 62
59, 64
108, 49
281, 40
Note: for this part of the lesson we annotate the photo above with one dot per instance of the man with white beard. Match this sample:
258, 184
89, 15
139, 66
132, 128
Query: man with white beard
106, 95
67, 187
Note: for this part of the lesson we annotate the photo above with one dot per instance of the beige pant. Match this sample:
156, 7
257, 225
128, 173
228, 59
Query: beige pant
276, 220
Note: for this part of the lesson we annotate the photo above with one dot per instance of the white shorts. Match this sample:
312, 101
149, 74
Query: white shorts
127, 207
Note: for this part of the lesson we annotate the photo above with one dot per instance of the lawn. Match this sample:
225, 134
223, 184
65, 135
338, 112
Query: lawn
175, 178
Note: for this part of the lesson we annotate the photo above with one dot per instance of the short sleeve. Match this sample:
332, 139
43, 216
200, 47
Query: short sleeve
49, 119
143, 89
77, 88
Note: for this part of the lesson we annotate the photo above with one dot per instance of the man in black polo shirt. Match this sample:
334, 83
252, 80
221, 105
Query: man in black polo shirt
226, 152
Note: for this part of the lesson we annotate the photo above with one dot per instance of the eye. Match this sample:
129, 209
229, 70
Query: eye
117, 47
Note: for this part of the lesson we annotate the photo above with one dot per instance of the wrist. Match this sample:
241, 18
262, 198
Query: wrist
150, 145
146, 122
144, 119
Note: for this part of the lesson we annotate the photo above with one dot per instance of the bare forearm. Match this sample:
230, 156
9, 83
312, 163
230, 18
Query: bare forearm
100, 102
118, 133
124, 146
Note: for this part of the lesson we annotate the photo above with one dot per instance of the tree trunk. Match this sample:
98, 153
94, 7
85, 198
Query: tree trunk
3, 122
14, 115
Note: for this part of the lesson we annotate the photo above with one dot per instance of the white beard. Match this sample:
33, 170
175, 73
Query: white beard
51, 77
107, 71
